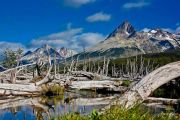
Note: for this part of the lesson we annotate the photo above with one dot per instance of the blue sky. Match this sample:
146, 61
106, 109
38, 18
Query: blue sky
76, 23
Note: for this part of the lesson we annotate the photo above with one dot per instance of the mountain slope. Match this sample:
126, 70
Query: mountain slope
43, 52
126, 41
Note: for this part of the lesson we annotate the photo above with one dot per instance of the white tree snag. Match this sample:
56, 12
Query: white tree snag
18, 93
91, 85
45, 79
89, 75
19, 87
13, 76
19, 67
92, 101
140, 91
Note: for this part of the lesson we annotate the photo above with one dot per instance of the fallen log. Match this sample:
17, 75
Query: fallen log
45, 79
24, 89
104, 84
92, 101
89, 75
18, 87
141, 91
22, 66
165, 101
93, 76
91, 84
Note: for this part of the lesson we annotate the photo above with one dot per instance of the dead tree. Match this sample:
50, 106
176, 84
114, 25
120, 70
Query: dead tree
13, 76
140, 91
136, 69
55, 63
14, 71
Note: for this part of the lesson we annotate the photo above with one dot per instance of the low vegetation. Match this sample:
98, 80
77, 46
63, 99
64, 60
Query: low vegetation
126, 83
117, 113
54, 90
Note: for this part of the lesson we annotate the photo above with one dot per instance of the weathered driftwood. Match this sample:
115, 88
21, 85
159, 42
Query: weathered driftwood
18, 93
13, 76
18, 87
140, 91
105, 84
92, 101
91, 84
165, 101
93, 76
45, 79
24, 89
89, 75
19, 67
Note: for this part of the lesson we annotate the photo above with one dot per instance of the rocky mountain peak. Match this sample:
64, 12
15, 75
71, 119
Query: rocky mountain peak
160, 33
124, 30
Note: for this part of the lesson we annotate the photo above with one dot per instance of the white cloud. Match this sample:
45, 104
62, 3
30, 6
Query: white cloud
169, 30
178, 29
72, 38
9, 45
77, 3
100, 16
57, 39
146, 29
178, 24
89, 39
138, 4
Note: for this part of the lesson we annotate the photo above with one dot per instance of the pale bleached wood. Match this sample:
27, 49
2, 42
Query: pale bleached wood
18, 87
89, 75
91, 85
140, 91
45, 79
22, 66
92, 101
166, 101
18, 93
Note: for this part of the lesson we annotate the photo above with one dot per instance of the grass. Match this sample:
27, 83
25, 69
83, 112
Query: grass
117, 113
126, 83
54, 90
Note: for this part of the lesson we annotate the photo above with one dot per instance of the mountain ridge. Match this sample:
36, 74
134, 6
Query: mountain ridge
128, 40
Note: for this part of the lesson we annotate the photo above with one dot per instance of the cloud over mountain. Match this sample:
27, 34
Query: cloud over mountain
72, 38
9, 45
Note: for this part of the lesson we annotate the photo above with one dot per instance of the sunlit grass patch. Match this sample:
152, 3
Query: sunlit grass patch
118, 113
53, 90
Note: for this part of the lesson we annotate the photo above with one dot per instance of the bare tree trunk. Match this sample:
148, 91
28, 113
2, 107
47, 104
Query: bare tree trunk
55, 64
45, 79
140, 91
107, 65
104, 66
13, 76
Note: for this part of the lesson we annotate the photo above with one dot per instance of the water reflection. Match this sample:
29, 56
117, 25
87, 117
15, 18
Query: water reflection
44, 108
